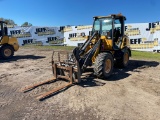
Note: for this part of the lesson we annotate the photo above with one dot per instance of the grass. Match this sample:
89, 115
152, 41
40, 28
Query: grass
145, 55
135, 54
67, 48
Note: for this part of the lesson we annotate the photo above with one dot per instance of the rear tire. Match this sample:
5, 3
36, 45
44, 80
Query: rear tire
124, 60
7, 52
103, 66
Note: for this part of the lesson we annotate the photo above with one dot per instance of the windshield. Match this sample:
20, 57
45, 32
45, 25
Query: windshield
106, 25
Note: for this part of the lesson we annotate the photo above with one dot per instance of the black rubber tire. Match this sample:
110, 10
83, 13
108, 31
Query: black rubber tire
124, 60
100, 65
3, 52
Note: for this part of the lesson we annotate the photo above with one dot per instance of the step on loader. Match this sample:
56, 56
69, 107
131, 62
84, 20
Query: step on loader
107, 43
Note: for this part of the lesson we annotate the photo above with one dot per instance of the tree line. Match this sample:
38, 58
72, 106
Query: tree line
11, 22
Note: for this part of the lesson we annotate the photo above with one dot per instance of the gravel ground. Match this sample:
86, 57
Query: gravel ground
132, 93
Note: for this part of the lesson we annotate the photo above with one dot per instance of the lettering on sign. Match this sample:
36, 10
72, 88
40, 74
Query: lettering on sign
20, 33
125, 28
83, 27
61, 28
132, 31
129, 31
44, 31
65, 29
155, 42
55, 40
27, 41
77, 36
10, 26
143, 43
135, 41
152, 27
32, 42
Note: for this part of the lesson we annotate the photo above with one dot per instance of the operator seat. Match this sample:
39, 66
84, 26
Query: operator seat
116, 38
116, 35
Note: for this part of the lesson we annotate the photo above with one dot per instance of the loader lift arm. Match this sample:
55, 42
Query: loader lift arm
84, 58
84, 46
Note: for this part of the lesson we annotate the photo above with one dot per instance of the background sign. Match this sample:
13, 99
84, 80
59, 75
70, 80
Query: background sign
37, 35
145, 36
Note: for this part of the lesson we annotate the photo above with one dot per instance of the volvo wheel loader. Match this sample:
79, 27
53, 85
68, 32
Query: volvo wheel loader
108, 43
8, 45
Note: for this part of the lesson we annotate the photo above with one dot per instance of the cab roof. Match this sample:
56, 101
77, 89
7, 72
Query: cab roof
111, 15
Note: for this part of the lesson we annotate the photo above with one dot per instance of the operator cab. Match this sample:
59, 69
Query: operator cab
112, 27
3, 29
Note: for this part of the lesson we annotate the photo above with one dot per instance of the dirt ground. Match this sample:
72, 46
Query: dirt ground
132, 93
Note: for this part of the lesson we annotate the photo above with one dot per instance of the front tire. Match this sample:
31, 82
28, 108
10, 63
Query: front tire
7, 52
103, 66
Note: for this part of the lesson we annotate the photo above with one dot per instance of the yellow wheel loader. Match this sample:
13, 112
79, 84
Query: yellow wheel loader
107, 43
8, 45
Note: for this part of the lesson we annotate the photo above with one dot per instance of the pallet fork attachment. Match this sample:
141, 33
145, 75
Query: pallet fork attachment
63, 69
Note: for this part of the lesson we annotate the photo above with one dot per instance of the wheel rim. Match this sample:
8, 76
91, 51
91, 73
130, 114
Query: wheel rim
108, 66
126, 58
7, 52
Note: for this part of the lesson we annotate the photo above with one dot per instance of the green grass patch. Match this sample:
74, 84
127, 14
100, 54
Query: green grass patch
135, 54
67, 48
145, 55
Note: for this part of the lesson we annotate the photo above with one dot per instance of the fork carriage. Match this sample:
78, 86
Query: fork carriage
64, 68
